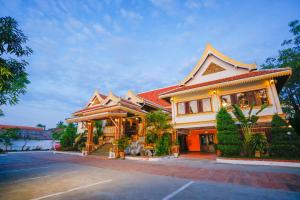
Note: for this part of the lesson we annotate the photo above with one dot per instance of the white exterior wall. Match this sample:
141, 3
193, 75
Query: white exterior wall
30, 145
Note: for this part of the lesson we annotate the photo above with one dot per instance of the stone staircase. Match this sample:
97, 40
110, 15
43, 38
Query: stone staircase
103, 150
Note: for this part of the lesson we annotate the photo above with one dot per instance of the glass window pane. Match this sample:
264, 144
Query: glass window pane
181, 108
206, 105
242, 100
226, 100
263, 96
193, 107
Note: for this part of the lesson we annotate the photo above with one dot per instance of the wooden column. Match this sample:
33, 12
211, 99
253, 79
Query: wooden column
89, 142
143, 126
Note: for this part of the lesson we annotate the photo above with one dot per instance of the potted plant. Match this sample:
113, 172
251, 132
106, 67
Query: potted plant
258, 142
218, 151
175, 148
122, 144
84, 151
115, 148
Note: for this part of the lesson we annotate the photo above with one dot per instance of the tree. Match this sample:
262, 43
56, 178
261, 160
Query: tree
60, 127
41, 126
289, 56
68, 136
7, 135
158, 122
229, 139
285, 142
13, 75
60, 124
158, 125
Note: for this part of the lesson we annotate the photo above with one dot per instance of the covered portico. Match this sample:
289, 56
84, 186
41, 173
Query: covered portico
123, 119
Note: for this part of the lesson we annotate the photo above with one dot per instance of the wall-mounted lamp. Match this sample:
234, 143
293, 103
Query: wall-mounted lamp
214, 91
272, 81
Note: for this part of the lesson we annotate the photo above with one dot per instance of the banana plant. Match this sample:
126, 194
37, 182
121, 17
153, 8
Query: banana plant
247, 121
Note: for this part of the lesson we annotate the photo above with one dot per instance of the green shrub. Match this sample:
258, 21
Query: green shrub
229, 140
163, 144
151, 137
285, 142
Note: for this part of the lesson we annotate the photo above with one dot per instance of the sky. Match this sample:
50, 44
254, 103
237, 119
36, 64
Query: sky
88, 45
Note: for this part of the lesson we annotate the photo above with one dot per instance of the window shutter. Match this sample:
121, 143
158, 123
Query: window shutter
200, 107
187, 107
233, 98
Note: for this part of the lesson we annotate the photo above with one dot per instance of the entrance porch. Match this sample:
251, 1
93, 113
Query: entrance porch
117, 124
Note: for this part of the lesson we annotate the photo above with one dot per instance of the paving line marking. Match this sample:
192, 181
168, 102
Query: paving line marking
178, 190
38, 177
73, 189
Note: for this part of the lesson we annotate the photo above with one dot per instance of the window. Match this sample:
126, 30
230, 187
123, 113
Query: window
181, 108
193, 107
226, 100
206, 105
245, 99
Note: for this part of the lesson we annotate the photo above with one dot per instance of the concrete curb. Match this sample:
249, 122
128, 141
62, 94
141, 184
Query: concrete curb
258, 162
149, 158
68, 153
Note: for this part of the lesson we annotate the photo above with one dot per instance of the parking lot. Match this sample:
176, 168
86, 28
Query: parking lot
44, 175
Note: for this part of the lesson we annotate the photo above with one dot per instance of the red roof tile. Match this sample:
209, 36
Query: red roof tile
153, 95
223, 80
21, 127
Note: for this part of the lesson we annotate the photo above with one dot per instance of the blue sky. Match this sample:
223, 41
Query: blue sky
81, 46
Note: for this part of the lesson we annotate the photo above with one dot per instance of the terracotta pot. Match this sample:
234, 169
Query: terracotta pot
122, 154
175, 149
257, 154
117, 153
219, 153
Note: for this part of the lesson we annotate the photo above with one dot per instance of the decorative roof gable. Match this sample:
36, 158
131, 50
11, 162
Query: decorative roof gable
213, 68
96, 99
212, 61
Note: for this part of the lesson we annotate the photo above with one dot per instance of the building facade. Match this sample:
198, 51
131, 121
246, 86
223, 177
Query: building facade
215, 81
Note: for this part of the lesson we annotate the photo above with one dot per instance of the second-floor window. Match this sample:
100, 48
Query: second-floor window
194, 106
245, 99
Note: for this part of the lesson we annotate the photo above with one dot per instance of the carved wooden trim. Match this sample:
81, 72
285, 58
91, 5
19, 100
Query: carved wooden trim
213, 68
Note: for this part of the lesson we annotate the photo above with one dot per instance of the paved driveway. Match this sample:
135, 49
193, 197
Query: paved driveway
53, 176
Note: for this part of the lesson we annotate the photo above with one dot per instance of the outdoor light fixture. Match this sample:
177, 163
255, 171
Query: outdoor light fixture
224, 104
289, 133
272, 81
214, 92
290, 126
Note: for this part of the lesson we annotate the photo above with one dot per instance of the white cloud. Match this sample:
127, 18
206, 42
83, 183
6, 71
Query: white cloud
100, 29
130, 14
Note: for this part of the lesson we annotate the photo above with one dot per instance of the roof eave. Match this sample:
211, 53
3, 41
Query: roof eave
219, 85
